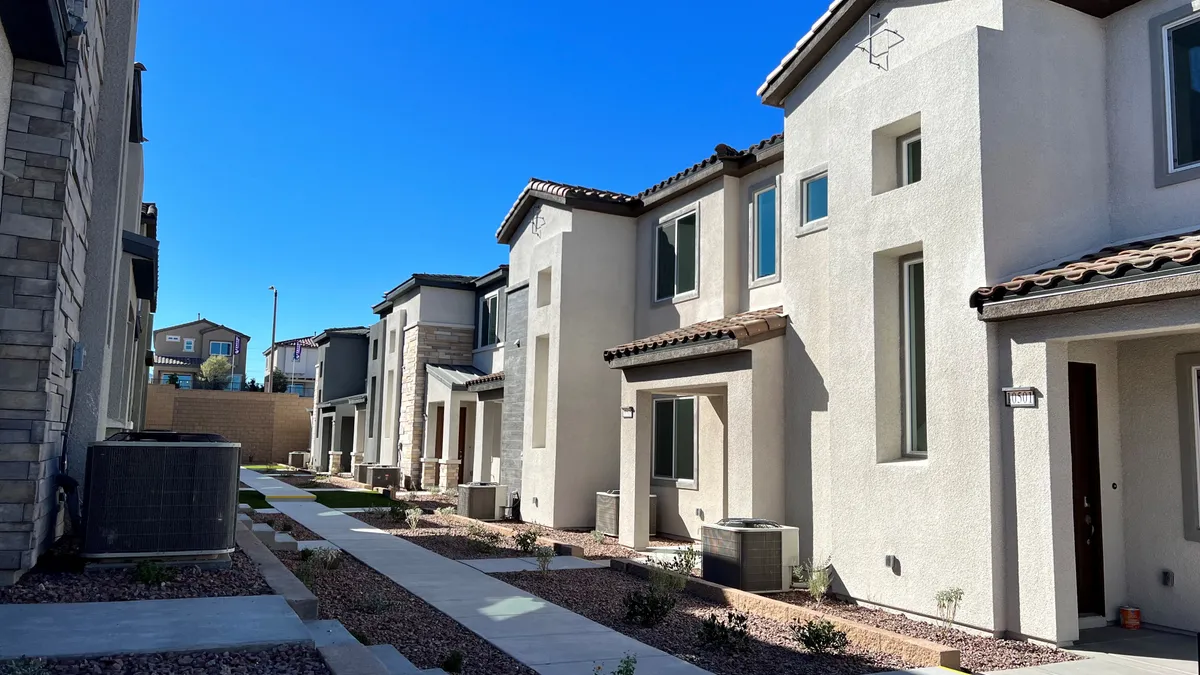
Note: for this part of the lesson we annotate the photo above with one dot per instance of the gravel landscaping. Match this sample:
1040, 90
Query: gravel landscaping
592, 550
979, 654
59, 577
377, 611
277, 520
445, 536
599, 595
284, 660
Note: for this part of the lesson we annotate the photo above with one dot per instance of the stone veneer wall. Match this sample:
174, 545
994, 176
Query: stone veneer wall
424, 344
512, 424
44, 217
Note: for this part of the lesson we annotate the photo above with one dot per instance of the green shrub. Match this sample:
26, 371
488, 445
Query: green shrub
24, 666
413, 518
447, 511
453, 663
627, 666
526, 540
650, 607
731, 632
153, 574
373, 604
683, 562
545, 556
817, 576
947, 605
323, 557
598, 537
820, 636
483, 539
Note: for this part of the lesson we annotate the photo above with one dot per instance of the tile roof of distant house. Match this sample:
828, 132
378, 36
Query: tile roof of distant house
213, 325
760, 323
454, 281
720, 153
185, 361
1130, 260
306, 342
324, 335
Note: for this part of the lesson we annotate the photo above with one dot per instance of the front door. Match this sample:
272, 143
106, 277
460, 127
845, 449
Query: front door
1085, 480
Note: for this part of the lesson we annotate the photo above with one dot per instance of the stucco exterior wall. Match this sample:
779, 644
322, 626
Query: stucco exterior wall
512, 426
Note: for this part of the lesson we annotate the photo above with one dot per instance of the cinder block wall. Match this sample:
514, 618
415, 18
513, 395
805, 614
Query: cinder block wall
268, 426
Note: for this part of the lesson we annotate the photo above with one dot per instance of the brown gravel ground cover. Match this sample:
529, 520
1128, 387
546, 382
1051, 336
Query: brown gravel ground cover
59, 577
377, 611
277, 520
772, 649
444, 536
283, 660
591, 549
979, 654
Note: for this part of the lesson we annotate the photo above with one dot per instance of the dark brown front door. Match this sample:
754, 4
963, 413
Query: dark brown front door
1085, 480
438, 435
462, 435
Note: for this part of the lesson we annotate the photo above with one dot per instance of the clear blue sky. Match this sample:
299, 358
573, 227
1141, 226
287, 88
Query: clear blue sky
333, 149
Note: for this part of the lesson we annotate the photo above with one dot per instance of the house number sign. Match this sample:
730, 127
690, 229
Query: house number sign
1020, 397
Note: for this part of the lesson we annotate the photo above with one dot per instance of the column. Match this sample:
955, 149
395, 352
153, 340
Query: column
485, 418
449, 462
635, 469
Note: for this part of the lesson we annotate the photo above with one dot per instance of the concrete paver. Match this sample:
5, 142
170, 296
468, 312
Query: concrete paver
1115, 651
80, 630
497, 565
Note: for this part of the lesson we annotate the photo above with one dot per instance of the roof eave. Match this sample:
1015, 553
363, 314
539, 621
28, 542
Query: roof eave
691, 350
1181, 283
841, 19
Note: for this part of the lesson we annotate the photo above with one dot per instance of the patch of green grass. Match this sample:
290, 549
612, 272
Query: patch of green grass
352, 500
268, 468
254, 498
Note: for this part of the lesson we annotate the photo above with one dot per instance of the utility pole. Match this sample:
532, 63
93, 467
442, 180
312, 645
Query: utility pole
274, 315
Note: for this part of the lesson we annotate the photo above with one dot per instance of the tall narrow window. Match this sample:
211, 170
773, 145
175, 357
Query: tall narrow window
389, 418
910, 158
371, 414
764, 231
375, 349
675, 254
814, 194
675, 439
541, 394
913, 295
488, 321
1182, 47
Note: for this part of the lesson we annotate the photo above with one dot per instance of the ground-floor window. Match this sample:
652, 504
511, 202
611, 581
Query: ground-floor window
675, 438
184, 380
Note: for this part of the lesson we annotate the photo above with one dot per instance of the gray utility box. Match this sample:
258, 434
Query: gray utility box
608, 513
750, 554
360, 472
382, 476
298, 460
482, 501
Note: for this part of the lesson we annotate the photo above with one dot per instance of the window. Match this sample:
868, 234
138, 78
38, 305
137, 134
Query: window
675, 439
815, 197
189, 345
172, 338
763, 233
375, 349
910, 158
487, 324
297, 389
392, 342
676, 257
913, 358
185, 380
1187, 373
371, 414
1181, 46
220, 348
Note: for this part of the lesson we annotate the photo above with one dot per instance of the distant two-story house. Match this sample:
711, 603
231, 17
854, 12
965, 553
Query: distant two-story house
646, 328
992, 358
297, 359
180, 350
339, 427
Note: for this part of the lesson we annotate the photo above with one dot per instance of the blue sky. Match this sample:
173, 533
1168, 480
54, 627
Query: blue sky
334, 153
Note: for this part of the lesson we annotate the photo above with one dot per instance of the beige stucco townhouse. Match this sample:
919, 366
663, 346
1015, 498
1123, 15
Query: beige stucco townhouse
1028, 436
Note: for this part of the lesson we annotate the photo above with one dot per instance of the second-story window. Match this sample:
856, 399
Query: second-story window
189, 345
1183, 91
676, 257
764, 233
488, 322
814, 194
220, 349
910, 158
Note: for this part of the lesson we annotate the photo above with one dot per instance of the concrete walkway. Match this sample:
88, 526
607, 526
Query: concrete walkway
272, 488
82, 630
1115, 651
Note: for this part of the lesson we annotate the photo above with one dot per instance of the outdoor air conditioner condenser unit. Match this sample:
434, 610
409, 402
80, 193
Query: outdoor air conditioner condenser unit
608, 513
750, 554
482, 501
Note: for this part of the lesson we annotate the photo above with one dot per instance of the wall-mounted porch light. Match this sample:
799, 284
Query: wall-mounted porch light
627, 412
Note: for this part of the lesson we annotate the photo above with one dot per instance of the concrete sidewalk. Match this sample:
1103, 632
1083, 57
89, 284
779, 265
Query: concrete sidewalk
272, 488
547, 638
1116, 651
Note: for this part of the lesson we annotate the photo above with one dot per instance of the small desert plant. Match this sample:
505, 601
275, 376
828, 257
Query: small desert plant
648, 608
482, 538
820, 636
380, 512
627, 666
817, 576
526, 540
683, 562
373, 604
598, 536
447, 511
323, 557
435, 490
453, 663
24, 666
947, 605
731, 632
545, 556
153, 574
285, 525
412, 517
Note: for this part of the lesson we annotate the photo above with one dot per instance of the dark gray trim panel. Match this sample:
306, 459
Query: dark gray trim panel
1162, 154
1184, 363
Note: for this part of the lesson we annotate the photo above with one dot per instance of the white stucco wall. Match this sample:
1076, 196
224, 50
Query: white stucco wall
446, 306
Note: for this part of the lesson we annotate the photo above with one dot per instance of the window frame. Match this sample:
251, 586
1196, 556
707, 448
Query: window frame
189, 345
480, 328
757, 279
1166, 173
1187, 374
220, 342
805, 222
904, 144
906, 396
673, 219
673, 481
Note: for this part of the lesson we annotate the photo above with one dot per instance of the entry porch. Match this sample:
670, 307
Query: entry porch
464, 407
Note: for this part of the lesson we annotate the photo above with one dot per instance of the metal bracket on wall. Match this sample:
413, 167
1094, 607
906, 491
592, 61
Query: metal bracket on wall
878, 44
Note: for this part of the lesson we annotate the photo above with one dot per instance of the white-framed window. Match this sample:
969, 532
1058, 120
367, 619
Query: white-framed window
172, 338
189, 345
487, 321
814, 198
676, 257
910, 158
1181, 62
675, 435
220, 349
764, 233
912, 272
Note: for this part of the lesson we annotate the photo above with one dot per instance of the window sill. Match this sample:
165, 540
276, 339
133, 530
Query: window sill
916, 460
765, 281
678, 299
673, 483
813, 227
488, 348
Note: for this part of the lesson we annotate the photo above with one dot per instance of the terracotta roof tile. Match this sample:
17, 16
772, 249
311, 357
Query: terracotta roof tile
1112, 262
736, 327
186, 361
491, 377
721, 152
